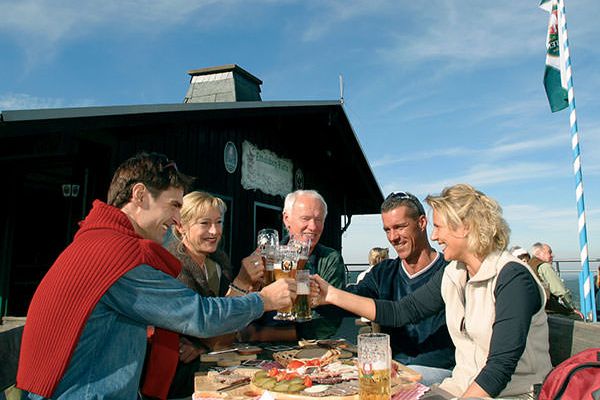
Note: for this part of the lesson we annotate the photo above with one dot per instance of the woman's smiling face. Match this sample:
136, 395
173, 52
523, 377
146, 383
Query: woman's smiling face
203, 234
453, 242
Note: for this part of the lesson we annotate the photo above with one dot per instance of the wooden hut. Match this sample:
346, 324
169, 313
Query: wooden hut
251, 153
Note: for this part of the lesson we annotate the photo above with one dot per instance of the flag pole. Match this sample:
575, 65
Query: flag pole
587, 301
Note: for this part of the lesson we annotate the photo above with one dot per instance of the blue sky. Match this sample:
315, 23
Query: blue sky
438, 92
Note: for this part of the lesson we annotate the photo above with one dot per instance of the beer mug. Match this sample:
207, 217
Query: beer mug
302, 310
374, 366
267, 241
285, 267
302, 246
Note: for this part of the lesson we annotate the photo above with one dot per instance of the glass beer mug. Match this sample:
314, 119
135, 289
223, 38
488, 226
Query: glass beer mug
268, 242
374, 366
285, 267
302, 310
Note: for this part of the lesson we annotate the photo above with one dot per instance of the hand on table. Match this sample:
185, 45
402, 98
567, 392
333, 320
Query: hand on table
279, 294
188, 352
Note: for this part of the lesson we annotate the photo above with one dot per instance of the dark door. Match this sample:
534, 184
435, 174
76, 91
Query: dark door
49, 197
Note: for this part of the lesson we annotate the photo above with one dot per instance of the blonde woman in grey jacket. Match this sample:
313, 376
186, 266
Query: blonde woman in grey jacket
494, 303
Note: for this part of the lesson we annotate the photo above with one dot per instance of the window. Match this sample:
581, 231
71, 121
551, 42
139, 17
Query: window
267, 216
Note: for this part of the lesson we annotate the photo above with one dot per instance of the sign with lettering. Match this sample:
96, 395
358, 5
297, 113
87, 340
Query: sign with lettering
264, 170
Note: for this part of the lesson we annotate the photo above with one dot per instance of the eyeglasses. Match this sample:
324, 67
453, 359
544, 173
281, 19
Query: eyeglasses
407, 196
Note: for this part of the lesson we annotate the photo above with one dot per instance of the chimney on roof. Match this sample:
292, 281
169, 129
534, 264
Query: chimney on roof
222, 84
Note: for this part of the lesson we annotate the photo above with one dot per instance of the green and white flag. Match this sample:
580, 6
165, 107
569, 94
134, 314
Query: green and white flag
555, 77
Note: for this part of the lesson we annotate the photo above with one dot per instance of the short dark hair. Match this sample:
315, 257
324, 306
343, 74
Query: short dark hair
405, 199
154, 170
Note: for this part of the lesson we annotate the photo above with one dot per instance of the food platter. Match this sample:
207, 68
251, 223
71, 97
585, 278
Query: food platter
308, 372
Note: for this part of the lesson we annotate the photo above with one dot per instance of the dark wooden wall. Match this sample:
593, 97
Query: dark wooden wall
197, 147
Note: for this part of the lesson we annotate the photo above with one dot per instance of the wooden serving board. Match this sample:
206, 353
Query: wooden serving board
290, 396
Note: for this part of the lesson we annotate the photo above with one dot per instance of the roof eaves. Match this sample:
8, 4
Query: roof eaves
83, 112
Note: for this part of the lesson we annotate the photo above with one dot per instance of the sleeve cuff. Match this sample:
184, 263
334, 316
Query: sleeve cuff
257, 306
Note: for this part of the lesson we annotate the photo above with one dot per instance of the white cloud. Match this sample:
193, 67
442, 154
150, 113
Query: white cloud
464, 35
498, 150
483, 175
388, 159
22, 101
330, 14
41, 27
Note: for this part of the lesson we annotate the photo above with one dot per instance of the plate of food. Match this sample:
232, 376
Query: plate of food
322, 376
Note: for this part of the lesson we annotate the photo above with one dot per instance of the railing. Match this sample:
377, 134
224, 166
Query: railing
358, 267
577, 262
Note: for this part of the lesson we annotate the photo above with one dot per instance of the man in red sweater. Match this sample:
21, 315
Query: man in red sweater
85, 335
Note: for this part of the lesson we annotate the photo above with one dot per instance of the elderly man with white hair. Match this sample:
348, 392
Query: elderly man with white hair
304, 214
560, 298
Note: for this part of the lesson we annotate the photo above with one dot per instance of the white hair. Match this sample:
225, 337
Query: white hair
536, 248
290, 199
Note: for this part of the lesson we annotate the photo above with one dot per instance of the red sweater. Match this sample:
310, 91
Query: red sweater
104, 249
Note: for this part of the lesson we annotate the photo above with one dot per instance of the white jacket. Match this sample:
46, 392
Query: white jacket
472, 305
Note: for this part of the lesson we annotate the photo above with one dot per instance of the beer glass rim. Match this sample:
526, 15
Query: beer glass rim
373, 335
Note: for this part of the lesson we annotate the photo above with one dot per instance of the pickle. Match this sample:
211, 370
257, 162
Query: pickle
281, 387
296, 381
261, 374
261, 381
295, 387
269, 383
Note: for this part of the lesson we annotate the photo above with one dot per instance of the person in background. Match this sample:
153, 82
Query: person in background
520, 253
494, 302
425, 346
304, 214
85, 334
376, 255
206, 270
560, 299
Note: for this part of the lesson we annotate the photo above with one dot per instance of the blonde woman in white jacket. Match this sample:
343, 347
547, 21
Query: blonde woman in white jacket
494, 303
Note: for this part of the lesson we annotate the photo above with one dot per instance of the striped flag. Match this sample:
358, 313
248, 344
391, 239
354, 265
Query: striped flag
555, 80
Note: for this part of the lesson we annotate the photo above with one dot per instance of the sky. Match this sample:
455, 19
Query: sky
438, 92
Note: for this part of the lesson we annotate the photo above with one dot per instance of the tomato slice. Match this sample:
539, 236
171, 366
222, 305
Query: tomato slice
273, 372
307, 381
295, 364
291, 375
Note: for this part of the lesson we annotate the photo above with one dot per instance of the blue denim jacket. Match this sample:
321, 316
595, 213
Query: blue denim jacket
107, 362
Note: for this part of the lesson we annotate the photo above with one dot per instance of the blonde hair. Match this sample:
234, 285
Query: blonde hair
462, 204
197, 204
377, 255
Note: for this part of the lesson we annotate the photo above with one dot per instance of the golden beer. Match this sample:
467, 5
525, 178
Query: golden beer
285, 269
302, 308
374, 385
268, 262
302, 304
269, 275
